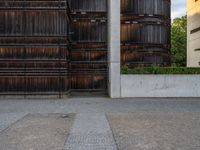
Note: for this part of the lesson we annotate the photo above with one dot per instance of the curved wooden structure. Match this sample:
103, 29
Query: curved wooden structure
145, 32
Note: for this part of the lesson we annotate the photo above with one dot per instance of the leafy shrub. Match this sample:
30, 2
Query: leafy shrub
160, 70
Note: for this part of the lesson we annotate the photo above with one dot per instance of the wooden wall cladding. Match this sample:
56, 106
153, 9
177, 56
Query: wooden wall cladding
37, 53
34, 47
89, 31
30, 23
34, 53
88, 65
36, 4
33, 84
145, 32
88, 5
81, 82
141, 33
144, 57
88, 55
151, 7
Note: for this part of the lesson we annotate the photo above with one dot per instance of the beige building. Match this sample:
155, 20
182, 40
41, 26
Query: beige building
193, 41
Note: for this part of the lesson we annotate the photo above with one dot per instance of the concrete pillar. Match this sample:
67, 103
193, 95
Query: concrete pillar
114, 84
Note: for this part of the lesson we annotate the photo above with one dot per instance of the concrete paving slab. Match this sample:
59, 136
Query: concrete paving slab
156, 131
90, 131
37, 132
6, 119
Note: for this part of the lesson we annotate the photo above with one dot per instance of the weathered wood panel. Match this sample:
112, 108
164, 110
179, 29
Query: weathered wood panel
150, 7
88, 5
90, 82
89, 31
34, 52
33, 84
88, 64
36, 55
145, 32
33, 23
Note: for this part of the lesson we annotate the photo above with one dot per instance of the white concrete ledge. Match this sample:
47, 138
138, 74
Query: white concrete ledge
160, 86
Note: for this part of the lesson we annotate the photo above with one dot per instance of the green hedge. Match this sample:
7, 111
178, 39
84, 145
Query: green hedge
160, 70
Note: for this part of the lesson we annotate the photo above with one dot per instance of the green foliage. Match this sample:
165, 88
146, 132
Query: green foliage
160, 70
179, 41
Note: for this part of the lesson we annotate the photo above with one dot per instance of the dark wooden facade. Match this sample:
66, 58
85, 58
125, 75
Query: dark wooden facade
145, 32
40, 54
34, 47
58, 46
88, 66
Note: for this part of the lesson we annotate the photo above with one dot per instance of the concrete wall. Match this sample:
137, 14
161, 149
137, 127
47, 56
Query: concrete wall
160, 86
114, 48
193, 41
152, 85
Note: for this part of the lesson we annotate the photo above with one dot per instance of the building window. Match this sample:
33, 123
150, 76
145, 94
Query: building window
195, 30
198, 49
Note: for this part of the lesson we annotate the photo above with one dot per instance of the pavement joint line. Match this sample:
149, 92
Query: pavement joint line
66, 139
117, 146
12, 124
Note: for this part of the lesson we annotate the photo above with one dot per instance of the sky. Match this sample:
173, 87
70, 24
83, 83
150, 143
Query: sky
178, 8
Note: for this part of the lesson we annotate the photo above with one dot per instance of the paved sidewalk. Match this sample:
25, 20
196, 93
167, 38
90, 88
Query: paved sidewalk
13, 110
156, 131
37, 132
90, 131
